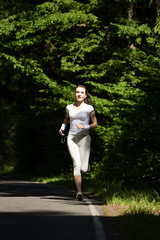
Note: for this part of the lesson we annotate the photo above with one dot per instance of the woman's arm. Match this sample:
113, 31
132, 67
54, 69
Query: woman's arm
93, 120
65, 122
66, 119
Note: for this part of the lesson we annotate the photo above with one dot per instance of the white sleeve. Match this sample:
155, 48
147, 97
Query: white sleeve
91, 108
67, 108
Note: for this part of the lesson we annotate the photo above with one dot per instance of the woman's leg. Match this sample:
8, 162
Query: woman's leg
75, 155
84, 148
78, 182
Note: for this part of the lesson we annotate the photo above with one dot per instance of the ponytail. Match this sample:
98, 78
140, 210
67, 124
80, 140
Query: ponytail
88, 99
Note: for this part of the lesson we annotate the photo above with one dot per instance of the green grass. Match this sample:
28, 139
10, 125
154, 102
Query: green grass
6, 169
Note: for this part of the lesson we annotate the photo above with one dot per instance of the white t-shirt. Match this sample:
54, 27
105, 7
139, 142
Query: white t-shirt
81, 116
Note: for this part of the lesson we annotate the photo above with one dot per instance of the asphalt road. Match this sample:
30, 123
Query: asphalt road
36, 211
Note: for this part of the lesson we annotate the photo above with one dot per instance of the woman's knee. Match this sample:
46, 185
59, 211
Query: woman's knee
76, 171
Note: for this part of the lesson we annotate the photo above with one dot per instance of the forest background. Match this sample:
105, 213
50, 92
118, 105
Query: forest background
111, 46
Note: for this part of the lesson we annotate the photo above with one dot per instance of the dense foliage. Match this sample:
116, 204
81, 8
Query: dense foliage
113, 47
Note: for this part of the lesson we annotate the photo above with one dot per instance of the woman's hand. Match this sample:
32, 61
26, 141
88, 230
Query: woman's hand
61, 132
83, 126
80, 126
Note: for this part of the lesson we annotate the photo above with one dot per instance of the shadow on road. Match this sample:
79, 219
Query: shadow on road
44, 225
20, 188
23, 188
53, 213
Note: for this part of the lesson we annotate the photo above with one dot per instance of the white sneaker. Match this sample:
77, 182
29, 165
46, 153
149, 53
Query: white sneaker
79, 196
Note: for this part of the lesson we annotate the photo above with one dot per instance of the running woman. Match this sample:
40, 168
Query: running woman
82, 118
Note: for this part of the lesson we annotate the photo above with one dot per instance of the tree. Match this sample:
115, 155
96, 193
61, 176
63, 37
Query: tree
108, 45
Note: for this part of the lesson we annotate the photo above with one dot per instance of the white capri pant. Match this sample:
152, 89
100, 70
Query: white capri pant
79, 149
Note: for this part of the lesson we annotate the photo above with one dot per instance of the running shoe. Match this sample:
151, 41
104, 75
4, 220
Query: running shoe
79, 196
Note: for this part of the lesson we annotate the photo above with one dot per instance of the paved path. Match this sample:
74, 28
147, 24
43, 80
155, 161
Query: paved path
36, 211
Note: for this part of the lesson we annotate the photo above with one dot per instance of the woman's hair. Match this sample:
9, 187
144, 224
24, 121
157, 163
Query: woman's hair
87, 99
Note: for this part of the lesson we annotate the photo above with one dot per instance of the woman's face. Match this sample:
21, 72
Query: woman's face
80, 94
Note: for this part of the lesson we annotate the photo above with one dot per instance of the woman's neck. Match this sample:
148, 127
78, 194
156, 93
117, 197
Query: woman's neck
78, 104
